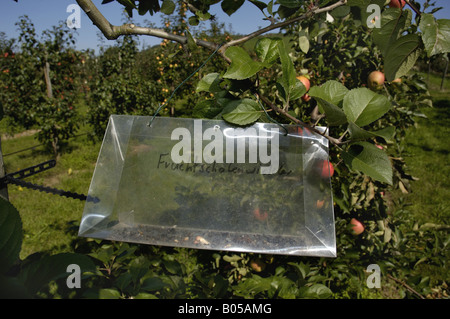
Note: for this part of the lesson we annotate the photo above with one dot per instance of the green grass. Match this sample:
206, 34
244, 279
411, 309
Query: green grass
426, 153
427, 157
50, 221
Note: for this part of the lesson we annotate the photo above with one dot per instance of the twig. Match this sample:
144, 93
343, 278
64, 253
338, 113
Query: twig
406, 286
413, 7
282, 24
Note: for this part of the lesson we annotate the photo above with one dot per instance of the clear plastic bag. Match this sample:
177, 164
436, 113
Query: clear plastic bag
209, 185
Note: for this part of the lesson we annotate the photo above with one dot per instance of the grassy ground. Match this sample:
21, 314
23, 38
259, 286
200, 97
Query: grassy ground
427, 154
49, 220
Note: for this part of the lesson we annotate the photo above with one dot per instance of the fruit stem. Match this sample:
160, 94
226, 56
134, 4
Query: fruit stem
413, 7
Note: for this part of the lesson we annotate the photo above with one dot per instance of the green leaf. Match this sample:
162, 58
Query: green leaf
358, 3
267, 49
233, 258
153, 284
10, 235
193, 20
318, 291
242, 112
129, 6
340, 12
393, 23
357, 133
173, 266
363, 106
291, 3
288, 85
231, 6
138, 268
203, 16
331, 91
328, 96
206, 109
303, 42
144, 295
1, 111
407, 64
37, 274
192, 45
167, 7
435, 34
150, 6
209, 83
242, 66
370, 160
261, 5
301, 268
334, 114
287, 66
11, 288
400, 55
285, 12
109, 293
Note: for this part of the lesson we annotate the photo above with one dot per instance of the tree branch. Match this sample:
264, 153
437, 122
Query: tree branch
274, 26
406, 286
112, 32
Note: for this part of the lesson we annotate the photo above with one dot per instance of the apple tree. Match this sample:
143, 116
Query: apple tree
39, 78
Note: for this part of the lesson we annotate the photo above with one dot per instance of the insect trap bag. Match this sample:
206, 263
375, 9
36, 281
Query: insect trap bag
206, 184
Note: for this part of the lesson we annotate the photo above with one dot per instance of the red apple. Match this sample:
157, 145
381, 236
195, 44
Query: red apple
357, 226
305, 81
375, 80
326, 169
397, 3
320, 203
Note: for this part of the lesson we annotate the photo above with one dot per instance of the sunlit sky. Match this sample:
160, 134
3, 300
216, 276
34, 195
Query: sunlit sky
48, 13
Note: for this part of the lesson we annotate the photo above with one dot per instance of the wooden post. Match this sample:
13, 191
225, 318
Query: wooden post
47, 80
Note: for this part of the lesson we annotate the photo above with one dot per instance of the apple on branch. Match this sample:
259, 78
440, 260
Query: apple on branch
375, 80
357, 226
305, 81
397, 4
326, 168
